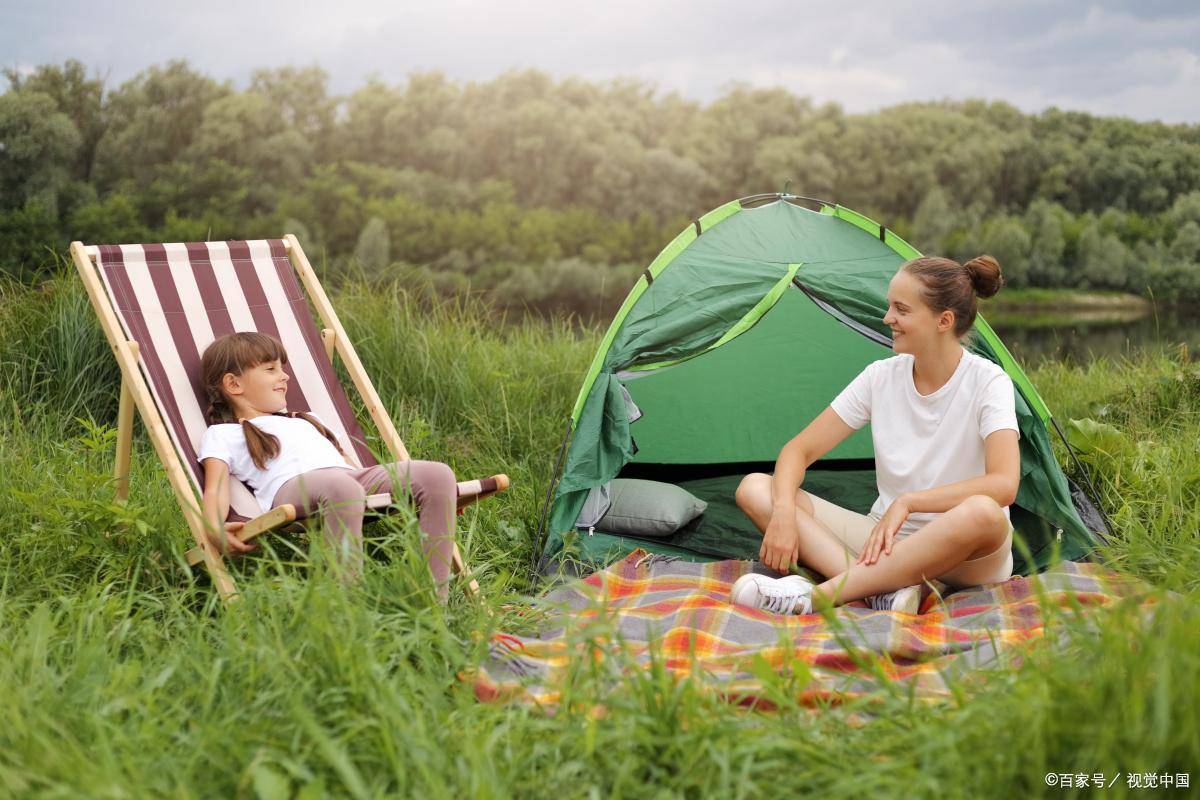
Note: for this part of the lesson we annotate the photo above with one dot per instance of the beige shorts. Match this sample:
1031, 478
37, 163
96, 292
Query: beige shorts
853, 529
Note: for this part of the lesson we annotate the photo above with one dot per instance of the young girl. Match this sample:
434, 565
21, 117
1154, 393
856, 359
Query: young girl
944, 427
293, 458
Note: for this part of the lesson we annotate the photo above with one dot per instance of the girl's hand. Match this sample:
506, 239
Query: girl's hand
229, 543
883, 535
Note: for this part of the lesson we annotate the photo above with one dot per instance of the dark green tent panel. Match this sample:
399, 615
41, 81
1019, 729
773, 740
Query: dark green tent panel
741, 331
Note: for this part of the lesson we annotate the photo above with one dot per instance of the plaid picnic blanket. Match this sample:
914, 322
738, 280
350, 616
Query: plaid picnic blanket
654, 609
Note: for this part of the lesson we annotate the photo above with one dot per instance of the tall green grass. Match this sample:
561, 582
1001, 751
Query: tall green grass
122, 677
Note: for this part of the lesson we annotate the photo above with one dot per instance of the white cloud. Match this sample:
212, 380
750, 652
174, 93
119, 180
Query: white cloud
1138, 60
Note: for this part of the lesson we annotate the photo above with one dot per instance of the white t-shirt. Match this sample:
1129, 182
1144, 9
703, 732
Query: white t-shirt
301, 448
926, 441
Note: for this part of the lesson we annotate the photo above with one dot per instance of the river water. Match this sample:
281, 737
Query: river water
1081, 336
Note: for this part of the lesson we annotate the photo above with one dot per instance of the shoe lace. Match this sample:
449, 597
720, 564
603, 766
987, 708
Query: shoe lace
882, 602
782, 602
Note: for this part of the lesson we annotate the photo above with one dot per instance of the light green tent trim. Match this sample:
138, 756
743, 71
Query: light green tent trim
889, 238
1013, 369
744, 324
668, 254
907, 251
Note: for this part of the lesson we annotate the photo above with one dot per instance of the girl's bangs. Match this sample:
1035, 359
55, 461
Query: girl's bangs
257, 348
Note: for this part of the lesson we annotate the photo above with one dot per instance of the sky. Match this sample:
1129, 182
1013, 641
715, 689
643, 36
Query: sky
1133, 59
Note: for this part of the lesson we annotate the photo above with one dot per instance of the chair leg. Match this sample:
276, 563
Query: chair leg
221, 578
208, 555
124, 442
461, 569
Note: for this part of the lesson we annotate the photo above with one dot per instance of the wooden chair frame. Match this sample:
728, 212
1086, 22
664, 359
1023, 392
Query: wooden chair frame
135, 394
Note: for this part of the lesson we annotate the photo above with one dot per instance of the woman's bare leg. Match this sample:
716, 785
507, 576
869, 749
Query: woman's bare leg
819, 548
972, 529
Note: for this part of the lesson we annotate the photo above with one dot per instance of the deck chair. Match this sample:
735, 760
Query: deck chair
160, 305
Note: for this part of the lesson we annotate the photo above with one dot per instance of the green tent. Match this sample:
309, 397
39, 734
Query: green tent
737, 335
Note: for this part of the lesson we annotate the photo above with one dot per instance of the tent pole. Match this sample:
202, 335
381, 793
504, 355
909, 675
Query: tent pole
539, 542
1087, 476
784, 195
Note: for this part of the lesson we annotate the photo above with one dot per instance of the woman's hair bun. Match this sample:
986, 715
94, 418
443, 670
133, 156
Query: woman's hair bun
984, 272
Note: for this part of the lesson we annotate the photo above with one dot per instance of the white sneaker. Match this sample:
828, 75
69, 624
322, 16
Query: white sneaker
791, 594
906, 600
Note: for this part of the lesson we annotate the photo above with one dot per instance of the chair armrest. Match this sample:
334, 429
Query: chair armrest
473, 491
276, 517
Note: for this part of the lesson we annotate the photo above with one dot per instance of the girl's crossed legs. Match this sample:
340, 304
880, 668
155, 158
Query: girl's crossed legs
968, 545
340, 494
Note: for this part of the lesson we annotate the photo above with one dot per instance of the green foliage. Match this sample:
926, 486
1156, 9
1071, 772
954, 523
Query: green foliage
153, 118
114, 219
37, 145
1047, 243
371, 252
75, 95
1102, 258
495, 184
28, 241
1007, 240
933, 221
1186, 247
53, 354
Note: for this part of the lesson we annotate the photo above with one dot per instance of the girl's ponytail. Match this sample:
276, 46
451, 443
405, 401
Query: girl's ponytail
263, 446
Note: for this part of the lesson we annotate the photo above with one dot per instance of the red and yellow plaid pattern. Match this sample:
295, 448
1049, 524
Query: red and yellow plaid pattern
678, 614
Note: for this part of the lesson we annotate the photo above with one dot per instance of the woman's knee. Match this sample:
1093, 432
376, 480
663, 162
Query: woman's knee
984, 518
754, 492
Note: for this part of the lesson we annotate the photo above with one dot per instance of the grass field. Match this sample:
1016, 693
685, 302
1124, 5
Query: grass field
122, 676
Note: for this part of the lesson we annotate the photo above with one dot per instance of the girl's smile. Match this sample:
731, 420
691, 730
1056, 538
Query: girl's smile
259, 390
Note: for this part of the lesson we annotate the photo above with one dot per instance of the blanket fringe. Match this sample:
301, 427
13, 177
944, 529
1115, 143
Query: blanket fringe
652, 559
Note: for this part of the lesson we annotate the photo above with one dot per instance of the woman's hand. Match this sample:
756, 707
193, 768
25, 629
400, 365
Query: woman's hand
229, 543
780, 548
883, 535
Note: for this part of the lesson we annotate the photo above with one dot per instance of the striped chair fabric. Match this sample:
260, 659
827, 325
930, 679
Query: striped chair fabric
174, 299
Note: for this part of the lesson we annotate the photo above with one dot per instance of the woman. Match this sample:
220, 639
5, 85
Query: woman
944, 428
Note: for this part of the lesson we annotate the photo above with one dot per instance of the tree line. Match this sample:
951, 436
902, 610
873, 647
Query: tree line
556, 193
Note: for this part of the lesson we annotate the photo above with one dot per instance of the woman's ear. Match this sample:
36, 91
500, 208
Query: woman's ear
231, 384
945, 321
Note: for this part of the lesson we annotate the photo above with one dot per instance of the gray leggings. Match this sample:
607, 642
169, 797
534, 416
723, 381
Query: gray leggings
340, 495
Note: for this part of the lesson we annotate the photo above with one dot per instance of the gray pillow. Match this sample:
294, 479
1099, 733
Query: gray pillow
649, 508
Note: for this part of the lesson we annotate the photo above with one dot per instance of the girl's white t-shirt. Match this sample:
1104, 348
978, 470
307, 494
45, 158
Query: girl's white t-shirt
301, 448
926, 441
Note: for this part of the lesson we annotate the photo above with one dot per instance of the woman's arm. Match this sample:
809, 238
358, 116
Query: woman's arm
781, 540
1002, 458
822, 435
